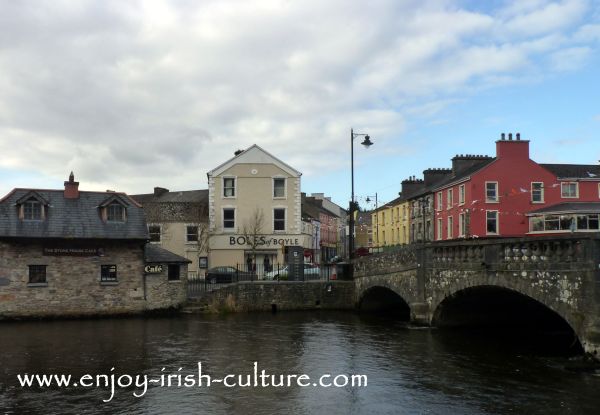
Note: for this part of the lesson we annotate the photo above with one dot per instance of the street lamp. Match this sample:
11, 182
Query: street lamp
367, 143
368, 200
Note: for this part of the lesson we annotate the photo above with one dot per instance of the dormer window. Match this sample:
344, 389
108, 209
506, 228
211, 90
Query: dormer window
115, 213
32, 210
32, 207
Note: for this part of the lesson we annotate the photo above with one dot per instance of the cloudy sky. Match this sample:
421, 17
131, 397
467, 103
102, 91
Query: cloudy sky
136, 94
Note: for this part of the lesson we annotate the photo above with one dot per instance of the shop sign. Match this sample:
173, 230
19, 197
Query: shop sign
153, 269
72, 251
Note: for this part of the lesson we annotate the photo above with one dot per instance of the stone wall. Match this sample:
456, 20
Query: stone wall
73, 286
282, 295
162, 293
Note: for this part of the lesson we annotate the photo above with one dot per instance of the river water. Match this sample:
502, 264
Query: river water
409, 370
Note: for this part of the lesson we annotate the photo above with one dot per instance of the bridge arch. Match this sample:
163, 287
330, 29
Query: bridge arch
497, 306
384, 299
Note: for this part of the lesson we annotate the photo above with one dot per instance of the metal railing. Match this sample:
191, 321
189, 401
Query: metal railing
219, 277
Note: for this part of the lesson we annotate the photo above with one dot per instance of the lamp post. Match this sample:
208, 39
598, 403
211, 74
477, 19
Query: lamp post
367, 143
368, 200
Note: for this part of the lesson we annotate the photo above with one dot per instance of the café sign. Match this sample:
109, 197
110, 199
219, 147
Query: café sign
153, 269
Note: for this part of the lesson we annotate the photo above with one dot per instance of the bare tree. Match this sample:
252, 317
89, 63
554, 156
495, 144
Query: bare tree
253, 229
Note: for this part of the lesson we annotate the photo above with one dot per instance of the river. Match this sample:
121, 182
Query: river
408, 370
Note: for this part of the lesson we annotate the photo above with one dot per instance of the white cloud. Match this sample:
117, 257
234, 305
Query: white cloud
135, 94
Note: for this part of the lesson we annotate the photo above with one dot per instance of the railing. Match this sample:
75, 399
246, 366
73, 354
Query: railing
220, 277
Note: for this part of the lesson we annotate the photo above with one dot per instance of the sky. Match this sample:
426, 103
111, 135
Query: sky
135, 94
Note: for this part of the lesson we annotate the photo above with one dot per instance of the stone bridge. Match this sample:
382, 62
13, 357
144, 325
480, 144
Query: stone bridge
483, 281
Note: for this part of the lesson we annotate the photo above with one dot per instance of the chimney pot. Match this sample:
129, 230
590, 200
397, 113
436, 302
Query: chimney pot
510, 136
518, 136
502, 136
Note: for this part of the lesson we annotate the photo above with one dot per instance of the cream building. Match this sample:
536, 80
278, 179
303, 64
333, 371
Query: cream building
391, 223
254, 210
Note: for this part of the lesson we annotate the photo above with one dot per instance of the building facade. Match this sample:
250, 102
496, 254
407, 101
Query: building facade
512, 195
178, 222
254, 210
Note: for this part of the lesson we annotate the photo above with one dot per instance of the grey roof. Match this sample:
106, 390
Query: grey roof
311, 207
570, 207
574, 171
155, 253
186, 196
71, 218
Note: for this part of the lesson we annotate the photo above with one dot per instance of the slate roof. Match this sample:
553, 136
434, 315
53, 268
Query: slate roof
311, 207
154, 253
570, 207
72, 218
459, 175
187, 196
574, 171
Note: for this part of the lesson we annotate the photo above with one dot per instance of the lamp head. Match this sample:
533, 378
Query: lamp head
367, 142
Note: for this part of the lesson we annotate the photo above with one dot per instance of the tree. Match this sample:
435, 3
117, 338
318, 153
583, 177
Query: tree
253, 229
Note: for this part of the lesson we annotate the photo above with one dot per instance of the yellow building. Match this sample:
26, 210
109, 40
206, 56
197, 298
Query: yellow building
391, 223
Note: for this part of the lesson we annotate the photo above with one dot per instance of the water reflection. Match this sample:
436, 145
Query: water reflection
409, 370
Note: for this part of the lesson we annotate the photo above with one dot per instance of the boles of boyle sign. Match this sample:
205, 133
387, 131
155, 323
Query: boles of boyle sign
262, 240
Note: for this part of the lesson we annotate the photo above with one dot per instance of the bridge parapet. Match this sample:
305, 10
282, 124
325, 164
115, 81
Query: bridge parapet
399, 258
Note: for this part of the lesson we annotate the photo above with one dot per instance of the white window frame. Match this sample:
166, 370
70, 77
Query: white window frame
223, 179
284, 219
497, 198
35, 207
461, 195
541, 192
439, 230
462, 224
562, 195
440, 201
284, 187
159, 232
450, 198
191, 225
450, 227
497, 215
223, 209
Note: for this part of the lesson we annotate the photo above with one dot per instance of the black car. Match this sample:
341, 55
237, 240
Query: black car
227, 275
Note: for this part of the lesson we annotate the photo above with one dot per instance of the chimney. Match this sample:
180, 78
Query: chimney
159, 191
411, 185
71, 188
238, 152
515, 149
433, 176
462, 162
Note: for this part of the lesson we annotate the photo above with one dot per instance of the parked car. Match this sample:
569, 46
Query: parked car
227, 275
311, 271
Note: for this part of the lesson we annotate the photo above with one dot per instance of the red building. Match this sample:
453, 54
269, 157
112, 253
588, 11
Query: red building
512, 195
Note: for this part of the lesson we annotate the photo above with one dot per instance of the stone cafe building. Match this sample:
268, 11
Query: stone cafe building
72, 253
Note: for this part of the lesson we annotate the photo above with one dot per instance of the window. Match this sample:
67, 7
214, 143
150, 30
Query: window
108, 273
461, 194
450, 227
569, 190
568, 223
115, 213
491, 191
279, 219
537, 192
491, 222
279, 188
450, 198
154, 233
440, 201
228, 218
439, 229
462, 225
191, 233
37, 274
228, 186
32, 210
173, 272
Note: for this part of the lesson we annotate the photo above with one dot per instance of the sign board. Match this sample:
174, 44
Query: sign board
203, 262
295, 263
153, 269
72, 251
